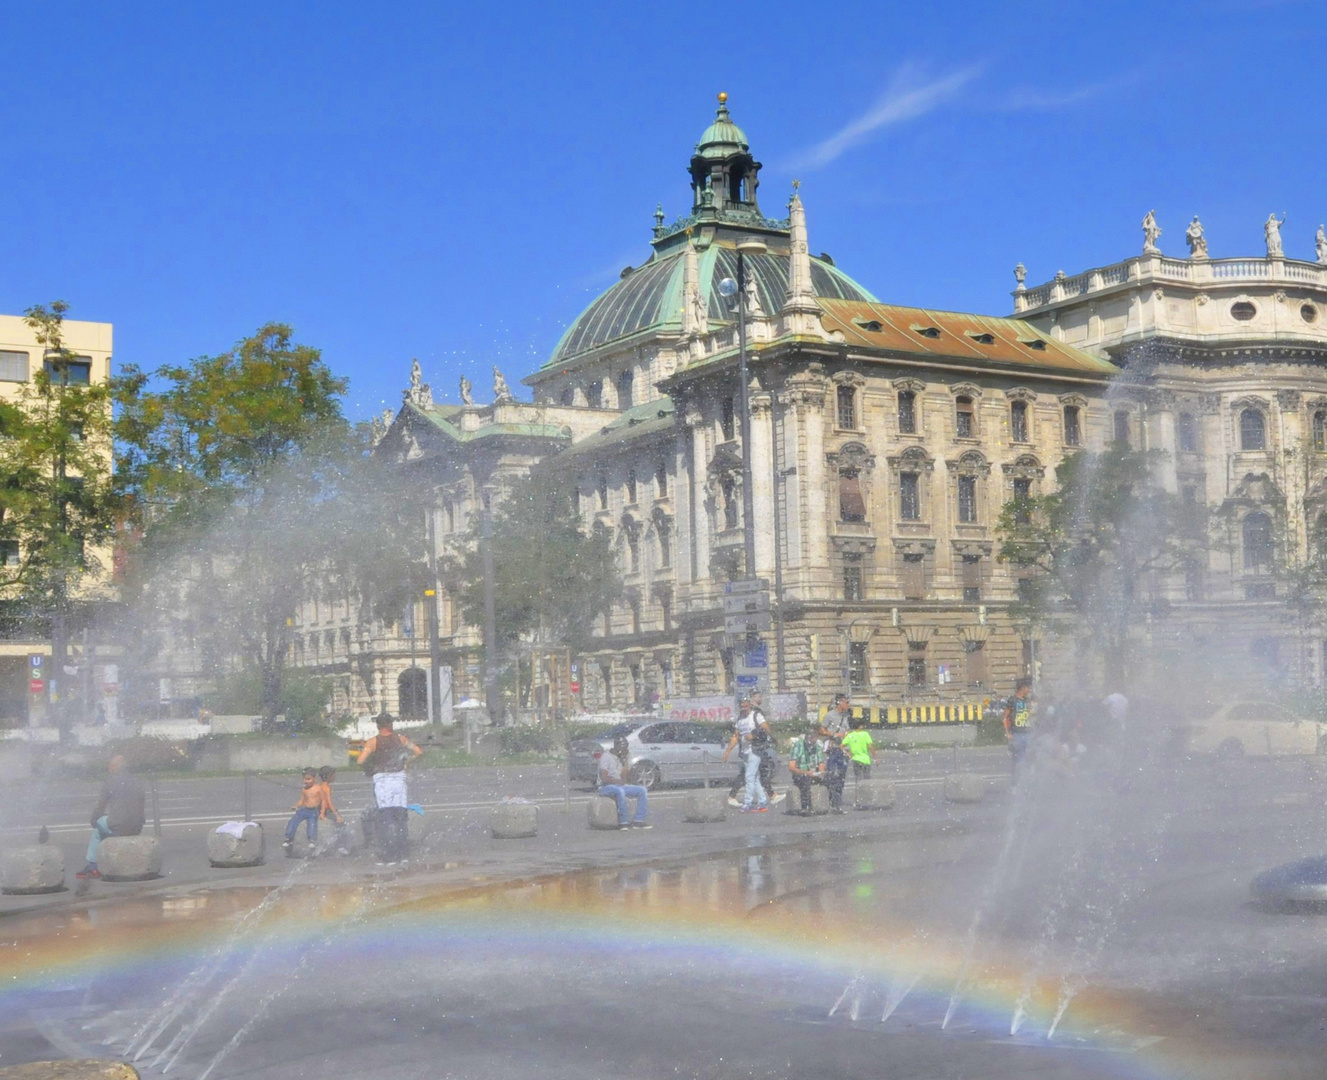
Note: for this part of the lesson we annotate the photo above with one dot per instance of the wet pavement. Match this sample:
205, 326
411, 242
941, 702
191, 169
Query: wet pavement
1128, 905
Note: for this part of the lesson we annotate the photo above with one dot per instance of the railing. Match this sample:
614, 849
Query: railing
1194, 271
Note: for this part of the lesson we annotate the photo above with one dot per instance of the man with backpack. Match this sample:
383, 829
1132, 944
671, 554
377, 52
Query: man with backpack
384, 758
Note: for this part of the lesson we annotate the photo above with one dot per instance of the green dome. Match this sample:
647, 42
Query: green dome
722, 137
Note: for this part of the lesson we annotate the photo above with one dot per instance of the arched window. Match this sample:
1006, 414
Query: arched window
1188, 433
568, 395
631, 531
726, 413
965, 423
631, 486
1252, 430
594, 394
730, 511
1320, 430
603, 491
663, 529
661, 479
852, 507
624, 388
907, 412
1018, 421
412, 694
1257, 543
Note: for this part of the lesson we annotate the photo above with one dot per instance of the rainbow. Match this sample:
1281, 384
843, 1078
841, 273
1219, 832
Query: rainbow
658, 920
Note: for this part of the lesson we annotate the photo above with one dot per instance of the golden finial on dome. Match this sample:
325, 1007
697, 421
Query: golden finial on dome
723, 97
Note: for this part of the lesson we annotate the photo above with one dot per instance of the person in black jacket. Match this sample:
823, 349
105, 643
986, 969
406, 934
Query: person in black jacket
119, 812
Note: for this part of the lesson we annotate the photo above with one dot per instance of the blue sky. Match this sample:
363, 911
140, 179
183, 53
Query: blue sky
457, 182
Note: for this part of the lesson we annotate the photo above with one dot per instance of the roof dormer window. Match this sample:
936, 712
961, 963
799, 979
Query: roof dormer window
927, 331
982, 337
1033, 343
872, 325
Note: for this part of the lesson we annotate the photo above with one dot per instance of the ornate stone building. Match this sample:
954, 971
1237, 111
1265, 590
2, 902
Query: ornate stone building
1225, 374
884, 441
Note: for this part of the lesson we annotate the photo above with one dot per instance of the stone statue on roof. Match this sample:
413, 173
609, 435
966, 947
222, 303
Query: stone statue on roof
1320, 245
418, 393
467, 397
1151, 234
1196, 239
754, 309
1020, 274
1271, 230
502, 394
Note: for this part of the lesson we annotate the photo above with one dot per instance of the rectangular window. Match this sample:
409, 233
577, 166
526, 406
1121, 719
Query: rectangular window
1188, 433
971, 570
1022, 494
967, 500
1073, 433
624, 390
665, 532
852, 507
964, 420
9, 552
916, 672
909, 497
859, 672
13, 366
631, 487
1122, 428
77, 372
1018, 421
852, 578
1024, 586
661, 480
726, 415
907, 412
975, 654
847, 399
603, 491
1193, 580
666, 608
594, 394
914, 577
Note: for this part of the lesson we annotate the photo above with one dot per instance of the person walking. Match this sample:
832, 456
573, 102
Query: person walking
763, 743
1018, 723
612, 764
833, 728
120, 811
754, 799
807, 766
384, 758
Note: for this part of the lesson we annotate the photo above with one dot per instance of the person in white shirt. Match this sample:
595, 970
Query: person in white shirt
754, 801
611, 786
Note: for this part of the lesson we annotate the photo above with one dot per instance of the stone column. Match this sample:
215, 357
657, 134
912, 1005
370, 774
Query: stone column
806, 498
700, 522
1161, 434
762, 481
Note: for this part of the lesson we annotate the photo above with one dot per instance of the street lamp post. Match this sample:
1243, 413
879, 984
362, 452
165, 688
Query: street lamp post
490, 610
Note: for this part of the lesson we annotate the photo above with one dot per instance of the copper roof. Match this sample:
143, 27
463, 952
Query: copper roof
955, 335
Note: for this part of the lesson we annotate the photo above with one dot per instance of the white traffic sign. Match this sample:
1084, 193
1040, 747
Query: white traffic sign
747, 585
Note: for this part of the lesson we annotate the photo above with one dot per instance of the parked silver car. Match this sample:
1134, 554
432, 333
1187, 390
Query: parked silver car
661, 751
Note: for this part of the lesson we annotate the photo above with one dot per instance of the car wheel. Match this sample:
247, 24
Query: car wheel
1230, 748
646, 774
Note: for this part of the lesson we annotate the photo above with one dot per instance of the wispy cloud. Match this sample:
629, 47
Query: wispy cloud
909, 96
1032, 99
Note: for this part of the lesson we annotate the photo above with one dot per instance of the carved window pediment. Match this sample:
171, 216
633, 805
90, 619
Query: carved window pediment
972, 463
1250, 402
1020, 393
913, 459
1076, 400
851, 455
907, 383
848, 378
1025, 467
909, 545
965, 390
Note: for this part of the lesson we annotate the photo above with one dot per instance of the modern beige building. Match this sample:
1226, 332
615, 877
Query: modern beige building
20, 358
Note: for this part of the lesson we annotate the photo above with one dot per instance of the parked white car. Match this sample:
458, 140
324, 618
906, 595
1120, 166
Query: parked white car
1254, 729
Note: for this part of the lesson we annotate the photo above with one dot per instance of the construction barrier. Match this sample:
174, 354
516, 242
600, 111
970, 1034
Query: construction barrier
894, 715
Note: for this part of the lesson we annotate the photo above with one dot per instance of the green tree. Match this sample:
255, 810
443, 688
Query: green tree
550, 577
57, 507
1092, 546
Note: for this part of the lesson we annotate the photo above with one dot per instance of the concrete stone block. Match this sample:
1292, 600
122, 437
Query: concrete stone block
224, 849
964, 788
819, 800
36, 869
873, 794
129, 858
70, 1069
708, 804
601, 812
512, 820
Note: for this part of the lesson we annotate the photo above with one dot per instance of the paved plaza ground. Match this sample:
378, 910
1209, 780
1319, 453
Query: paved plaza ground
706, 950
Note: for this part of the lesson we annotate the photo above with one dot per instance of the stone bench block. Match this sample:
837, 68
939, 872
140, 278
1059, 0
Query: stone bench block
705, 805
37, 869
601, 812
223, 849
964, 788
511, 821
70, 1069
819, 800
873, 794
129, 858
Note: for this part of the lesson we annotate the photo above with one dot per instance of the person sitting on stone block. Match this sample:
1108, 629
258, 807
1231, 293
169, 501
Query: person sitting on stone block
807, 765
120, 811
611, 765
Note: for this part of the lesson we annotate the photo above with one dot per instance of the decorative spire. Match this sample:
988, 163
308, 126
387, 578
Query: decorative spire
695, 308
801, 291
658, 219
418, 393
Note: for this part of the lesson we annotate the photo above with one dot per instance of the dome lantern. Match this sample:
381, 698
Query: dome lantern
723, 172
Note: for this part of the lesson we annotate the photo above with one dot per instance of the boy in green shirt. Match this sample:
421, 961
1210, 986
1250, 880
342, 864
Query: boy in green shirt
861, 747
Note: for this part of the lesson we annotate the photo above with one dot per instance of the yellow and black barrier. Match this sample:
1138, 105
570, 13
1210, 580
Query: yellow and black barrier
894, 715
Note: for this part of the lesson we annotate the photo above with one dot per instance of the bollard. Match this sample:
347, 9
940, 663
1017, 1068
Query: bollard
156, 807
705, 764
248, 797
